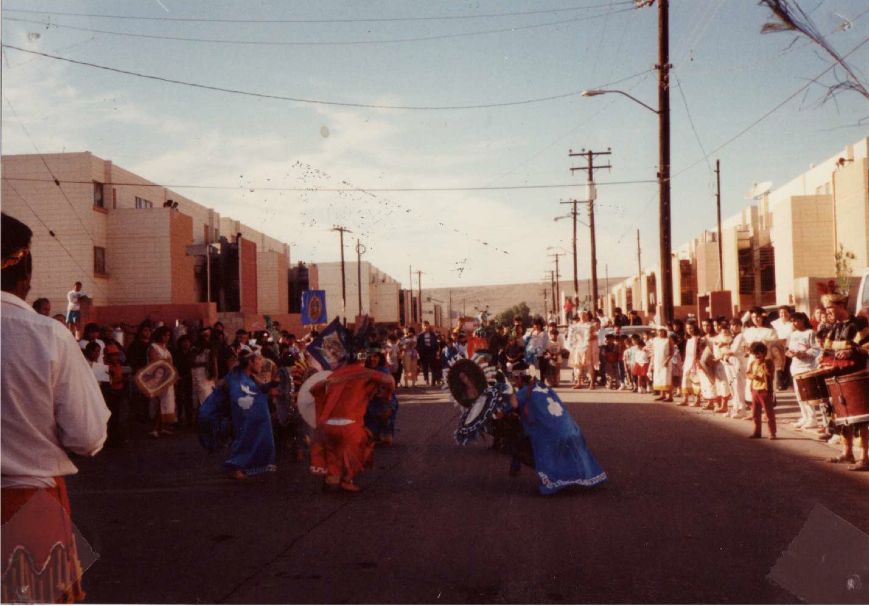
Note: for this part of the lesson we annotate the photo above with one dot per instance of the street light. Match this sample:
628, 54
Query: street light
594, 92
663, 187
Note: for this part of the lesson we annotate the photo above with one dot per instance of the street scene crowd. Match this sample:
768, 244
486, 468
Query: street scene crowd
72, 388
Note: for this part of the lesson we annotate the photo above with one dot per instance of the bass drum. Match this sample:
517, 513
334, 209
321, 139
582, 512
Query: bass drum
849, 395
812, 385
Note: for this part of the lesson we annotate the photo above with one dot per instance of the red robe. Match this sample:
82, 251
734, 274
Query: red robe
342, 444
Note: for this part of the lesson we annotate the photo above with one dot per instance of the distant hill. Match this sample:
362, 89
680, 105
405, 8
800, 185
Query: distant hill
468, 300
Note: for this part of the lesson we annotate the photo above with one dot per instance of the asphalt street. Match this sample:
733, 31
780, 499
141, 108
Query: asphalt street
693, 512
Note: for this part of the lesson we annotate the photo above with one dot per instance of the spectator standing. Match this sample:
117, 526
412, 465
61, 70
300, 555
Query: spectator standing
760, 374
410, 357
163, 406
183, 360
73, 308
50, 404
203, 367
803, 351
426, 347
783, 328
42, 306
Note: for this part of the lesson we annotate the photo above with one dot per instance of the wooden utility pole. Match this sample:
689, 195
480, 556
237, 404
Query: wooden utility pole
718, 212
666, 247
591, 195
360, 250
639, 257
556, 291
573, 214
341, 230
419, 283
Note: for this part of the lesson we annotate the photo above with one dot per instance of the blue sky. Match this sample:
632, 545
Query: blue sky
253, 154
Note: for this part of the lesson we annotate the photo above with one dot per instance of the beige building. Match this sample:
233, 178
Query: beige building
132, 242
380, 292
774, 249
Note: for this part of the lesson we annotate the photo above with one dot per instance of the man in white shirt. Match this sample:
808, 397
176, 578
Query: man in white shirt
783, 327
73, 308
50, 404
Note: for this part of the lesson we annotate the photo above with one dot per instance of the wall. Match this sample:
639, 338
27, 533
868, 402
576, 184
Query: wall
181, 265
851, 187
272, 293
802, 235
193, 313
67, 211
139, 257
248, 269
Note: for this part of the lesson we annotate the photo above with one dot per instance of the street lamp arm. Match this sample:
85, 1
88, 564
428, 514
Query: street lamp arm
599, 91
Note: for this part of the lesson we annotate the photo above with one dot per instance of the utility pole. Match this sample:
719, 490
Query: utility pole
556, 291
591, 194
573, 214
639, 257
663, 68
360, 250
545, 301
450, 308
718, 211
340, 229
552, 287
419, 282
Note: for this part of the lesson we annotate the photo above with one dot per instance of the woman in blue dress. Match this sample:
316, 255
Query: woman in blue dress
561, 457
253, 447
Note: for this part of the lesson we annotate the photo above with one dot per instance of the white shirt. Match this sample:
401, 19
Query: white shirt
100, 369
72, 300
782, 329
804, 342
50, 399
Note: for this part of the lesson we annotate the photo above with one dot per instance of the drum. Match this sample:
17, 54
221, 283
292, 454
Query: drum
849, 395
811, 385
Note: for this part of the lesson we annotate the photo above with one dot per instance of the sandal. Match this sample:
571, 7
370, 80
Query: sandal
863, 465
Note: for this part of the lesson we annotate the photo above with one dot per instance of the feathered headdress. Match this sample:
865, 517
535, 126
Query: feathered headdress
830, 294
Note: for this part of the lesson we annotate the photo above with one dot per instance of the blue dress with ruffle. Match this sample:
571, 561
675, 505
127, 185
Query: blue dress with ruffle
561, 457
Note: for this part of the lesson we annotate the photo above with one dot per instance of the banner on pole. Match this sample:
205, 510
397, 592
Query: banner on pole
314, 307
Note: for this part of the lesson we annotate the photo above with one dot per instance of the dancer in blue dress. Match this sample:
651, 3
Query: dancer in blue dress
253, 447
561, 457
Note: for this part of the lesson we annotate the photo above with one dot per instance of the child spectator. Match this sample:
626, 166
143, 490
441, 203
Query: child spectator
640, 367
760, 373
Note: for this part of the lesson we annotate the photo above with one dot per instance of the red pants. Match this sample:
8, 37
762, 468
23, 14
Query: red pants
40, 560
348, 449
762, 401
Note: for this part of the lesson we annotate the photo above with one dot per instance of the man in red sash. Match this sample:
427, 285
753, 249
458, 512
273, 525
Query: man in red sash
51, 403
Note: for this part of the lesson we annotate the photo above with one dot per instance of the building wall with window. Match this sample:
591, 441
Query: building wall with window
108, 228
379, 291
851, 190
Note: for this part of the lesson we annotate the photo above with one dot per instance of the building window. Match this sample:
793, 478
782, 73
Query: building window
100, 260
99, 200
143, 203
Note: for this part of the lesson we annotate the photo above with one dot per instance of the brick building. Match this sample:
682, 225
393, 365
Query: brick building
140, 249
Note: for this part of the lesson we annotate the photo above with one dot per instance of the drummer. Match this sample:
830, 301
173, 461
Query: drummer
841, 351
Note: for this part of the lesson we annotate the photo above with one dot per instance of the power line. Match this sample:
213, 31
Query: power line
771, 111
299, 99
345, 20
319, 42
348, 189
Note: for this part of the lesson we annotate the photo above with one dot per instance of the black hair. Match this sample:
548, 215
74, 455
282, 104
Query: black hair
157, 334
90, 327
758, 347
801, 317
14, 238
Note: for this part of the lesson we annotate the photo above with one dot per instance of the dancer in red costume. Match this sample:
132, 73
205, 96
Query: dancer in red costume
341, 401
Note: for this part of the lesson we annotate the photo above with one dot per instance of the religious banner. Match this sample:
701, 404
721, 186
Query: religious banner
314, 307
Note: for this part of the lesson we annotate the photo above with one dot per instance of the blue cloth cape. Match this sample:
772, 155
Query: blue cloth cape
253, 445
561, 457
377, 407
